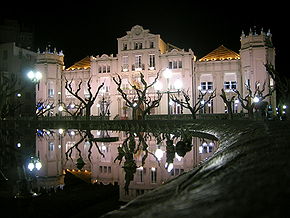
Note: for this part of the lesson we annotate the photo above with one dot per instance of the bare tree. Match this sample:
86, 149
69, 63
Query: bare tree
199, 104
228, 103
86, 102
247, 102
8, 90
140, 101
43, 107
282, 85
75, 110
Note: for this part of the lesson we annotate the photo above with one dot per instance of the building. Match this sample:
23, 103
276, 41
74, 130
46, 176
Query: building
15, 63
141, 51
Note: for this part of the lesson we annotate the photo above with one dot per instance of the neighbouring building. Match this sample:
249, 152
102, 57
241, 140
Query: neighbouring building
141, 51
15, 63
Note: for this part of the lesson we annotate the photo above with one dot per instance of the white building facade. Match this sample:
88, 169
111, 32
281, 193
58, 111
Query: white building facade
141, 51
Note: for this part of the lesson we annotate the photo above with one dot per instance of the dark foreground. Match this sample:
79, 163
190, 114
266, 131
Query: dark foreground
248, 176
78, 199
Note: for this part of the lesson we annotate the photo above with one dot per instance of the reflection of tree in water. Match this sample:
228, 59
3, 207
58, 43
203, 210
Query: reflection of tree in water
8, 153
130, 147
127, 151
87, 136
183, 146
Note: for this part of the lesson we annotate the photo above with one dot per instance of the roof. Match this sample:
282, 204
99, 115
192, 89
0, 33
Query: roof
221, 53
85, 63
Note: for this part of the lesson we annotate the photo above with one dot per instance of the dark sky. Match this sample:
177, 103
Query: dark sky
90, 28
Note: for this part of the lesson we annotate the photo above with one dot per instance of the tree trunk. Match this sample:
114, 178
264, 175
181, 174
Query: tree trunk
88, 111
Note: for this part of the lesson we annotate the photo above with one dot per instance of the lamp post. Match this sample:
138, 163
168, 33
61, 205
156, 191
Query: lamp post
167, 73
35, 78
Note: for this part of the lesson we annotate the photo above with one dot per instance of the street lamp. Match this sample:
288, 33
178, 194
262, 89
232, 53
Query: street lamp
178, 84
35, 77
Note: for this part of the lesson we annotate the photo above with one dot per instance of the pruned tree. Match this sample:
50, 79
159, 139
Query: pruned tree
87, 102
74, 110
43, 107
229, 103
248, 103
199, 104
282, 85
140, 101
85, 136
8, 90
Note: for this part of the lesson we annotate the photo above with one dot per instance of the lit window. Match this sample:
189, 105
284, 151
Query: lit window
152, 61
50, 146
138, 59
153, 175
203, 85
209, 85
229, 85
50, 92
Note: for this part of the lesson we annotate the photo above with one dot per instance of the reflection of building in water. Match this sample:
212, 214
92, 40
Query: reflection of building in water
57, 153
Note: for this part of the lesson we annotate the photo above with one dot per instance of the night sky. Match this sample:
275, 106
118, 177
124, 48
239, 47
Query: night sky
90, 28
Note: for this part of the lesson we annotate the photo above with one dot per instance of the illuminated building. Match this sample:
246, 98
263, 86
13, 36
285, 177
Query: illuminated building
141, 51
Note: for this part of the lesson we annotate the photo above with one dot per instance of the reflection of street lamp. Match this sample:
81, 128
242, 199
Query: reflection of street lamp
256, 99
167, 75
34, 163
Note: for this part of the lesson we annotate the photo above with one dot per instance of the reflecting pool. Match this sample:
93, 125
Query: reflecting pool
46, 160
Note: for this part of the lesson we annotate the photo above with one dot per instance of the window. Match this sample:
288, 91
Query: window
175, 64
86, 89
138, 45
140, 174
50, 90
151, 61
125, 46
50, 146
51, 153
138, 60
203, 86
230, 85
105, 69
209, 85
206, 86
170, 65
151, 44
125, 65
153, 175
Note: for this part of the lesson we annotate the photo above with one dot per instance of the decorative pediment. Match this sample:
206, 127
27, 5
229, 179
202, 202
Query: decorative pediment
136, 31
